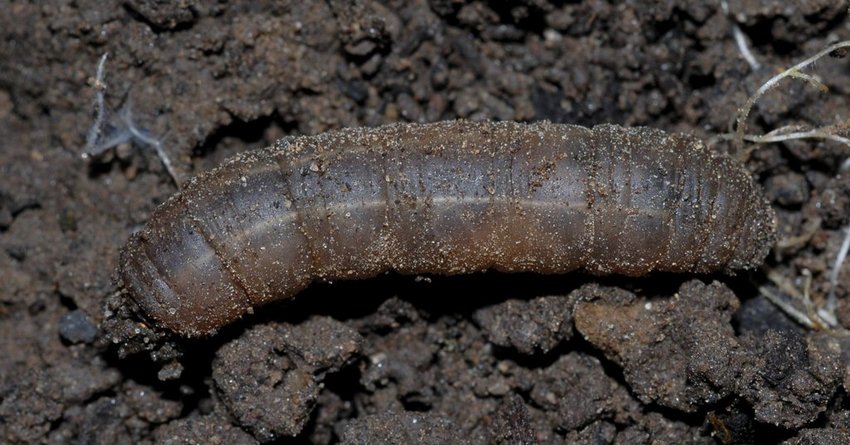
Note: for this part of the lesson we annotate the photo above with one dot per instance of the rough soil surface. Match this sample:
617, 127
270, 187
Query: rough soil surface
488, 358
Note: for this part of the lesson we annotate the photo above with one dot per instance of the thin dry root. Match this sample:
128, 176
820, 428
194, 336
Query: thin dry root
740, 38
831, 302
827, 132
809, 229
100, 108
791, 298
122, 129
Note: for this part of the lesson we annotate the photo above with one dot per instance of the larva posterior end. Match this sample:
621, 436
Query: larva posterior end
759, 237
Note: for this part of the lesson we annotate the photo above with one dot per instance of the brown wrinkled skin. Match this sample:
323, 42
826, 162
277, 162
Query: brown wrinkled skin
444, 198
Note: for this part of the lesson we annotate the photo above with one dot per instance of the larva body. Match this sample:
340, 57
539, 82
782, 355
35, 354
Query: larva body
443, 198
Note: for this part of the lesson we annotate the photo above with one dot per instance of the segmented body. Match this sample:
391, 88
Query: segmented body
444, 198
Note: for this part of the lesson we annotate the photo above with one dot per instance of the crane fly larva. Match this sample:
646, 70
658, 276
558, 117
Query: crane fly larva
444, 198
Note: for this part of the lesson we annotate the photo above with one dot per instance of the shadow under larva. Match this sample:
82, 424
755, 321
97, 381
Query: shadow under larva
444, 198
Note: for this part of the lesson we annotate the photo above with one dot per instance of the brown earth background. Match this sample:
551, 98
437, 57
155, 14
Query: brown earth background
488, 358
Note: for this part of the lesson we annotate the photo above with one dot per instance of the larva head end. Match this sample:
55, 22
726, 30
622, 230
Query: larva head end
177, 280
143, 283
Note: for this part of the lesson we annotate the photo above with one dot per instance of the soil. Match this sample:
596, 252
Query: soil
487, 358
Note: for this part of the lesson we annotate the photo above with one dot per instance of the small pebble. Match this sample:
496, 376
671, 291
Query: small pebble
77, 327
171, 371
